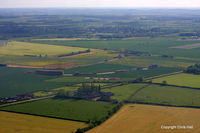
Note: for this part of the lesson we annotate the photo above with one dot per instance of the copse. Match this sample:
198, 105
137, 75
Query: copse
194, 69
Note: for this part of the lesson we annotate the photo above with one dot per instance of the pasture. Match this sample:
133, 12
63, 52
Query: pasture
98, 68
137, 118
167, 95
145, 73
182, 79
76, 60
35, 49
62, 108
142, 61
158, 46
122, 93
14, 123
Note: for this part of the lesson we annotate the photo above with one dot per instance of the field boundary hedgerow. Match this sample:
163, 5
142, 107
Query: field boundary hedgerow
170, 85
25, 101
159, 104
138, 90
163, 75
42, 115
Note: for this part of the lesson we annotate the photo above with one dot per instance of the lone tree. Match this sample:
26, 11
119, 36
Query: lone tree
164, 82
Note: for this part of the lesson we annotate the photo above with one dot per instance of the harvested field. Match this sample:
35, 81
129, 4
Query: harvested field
20, 123
188, 46
136, 118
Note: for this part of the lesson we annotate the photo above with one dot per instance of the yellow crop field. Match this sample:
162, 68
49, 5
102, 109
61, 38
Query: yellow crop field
35, 49
136, 118
20, 123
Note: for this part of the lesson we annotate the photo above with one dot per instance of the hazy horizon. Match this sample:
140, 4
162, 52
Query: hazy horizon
99, 4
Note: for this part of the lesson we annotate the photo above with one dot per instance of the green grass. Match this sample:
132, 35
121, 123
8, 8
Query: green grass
153, 45
15, 81
69, 80
145, 73
66, 88
168, 95
37, 61
182, 79
42, 93
142, 61
69, 109
122, 93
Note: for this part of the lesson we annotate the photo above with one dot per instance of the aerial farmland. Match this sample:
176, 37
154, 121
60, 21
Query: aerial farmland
102, 71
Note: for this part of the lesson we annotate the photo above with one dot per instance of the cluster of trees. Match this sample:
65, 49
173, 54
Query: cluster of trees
194, 69
85, 91
74, 53
96, 24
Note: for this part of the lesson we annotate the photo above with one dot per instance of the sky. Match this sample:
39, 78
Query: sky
99, 3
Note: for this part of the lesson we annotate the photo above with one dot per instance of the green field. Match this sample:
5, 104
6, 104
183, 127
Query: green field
122, 93
145, 73
69, 109
24, 48
142, 61
182, 79
168, 96
153, 45
98, 68
42, 61
73, 80
15, 81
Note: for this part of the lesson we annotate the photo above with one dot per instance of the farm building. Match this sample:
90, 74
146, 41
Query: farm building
50, 72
